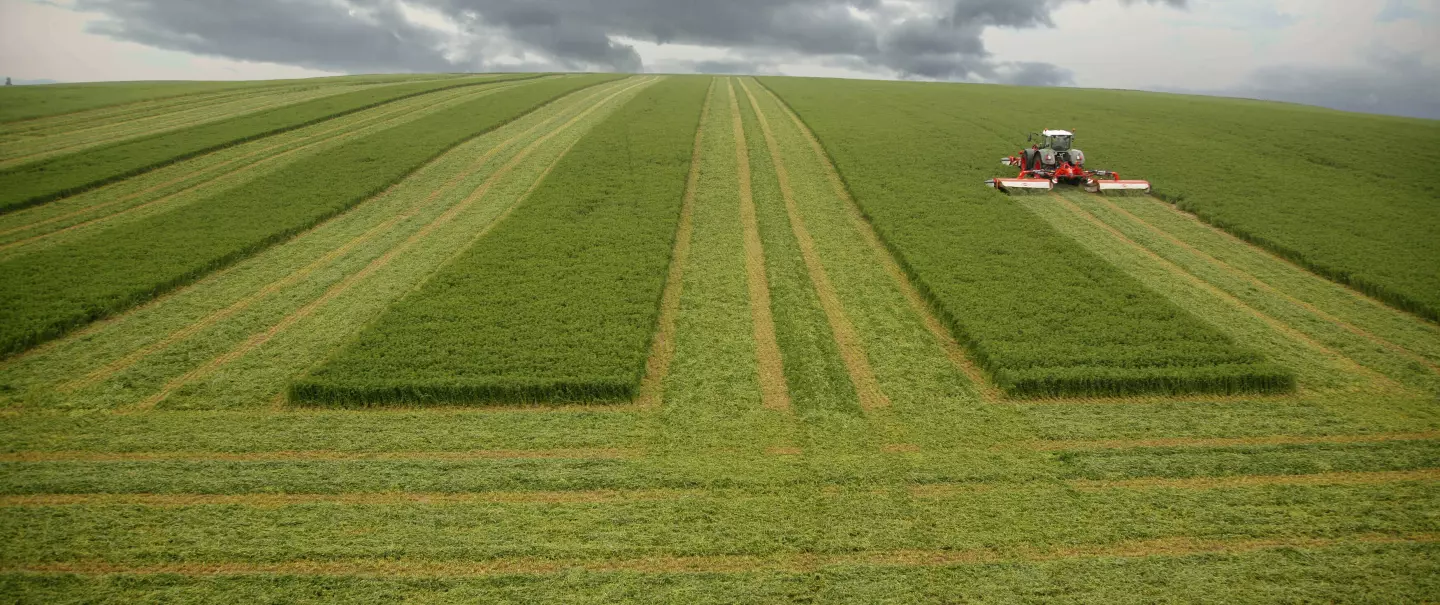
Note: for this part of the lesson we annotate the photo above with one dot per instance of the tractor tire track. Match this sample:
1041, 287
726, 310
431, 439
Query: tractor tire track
852, 351
299, 275
258, 339
774, 392
662, 348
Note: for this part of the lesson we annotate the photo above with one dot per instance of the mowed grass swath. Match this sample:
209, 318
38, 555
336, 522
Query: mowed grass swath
1040, 314
383, 407
57, 177
559, 301
53, 290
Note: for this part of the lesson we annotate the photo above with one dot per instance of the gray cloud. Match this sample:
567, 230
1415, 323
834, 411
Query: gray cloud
932, 39
367, 36
1390, 84
1384, 83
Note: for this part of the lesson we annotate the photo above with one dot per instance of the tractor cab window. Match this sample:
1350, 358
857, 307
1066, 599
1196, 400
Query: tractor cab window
1060, 142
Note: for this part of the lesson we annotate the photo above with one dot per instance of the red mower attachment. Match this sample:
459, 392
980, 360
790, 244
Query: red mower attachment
1044, 167
1101, 181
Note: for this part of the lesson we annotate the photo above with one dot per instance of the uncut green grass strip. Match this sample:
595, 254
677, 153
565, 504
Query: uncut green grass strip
67, 175
33, 106
201, 323
1321, 211
128, 265
1315, 364
32, 148
318, 264
1361, 346
206, 371
710, 524
1355, 569
981, 260
193, 179
119, 113
563, 311
1389, 326
110, 116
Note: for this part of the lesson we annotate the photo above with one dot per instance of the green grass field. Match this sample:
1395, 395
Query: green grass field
713, 340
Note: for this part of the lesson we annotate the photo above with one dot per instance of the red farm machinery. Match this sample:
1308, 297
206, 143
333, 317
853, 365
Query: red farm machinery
1053, 161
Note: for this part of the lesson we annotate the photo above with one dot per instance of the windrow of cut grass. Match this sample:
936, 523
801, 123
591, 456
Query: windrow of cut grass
58, 288
559, 302
198, 178
35, 146
33, 104
1042, 315
1222, 571
58, 177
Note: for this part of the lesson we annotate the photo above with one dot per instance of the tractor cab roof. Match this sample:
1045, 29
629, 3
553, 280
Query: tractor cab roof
1062, 133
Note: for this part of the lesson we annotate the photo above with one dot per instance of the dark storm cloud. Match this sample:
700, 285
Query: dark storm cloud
939, 39
365, 35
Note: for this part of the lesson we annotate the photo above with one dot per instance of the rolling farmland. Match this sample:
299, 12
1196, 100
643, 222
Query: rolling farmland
604, 338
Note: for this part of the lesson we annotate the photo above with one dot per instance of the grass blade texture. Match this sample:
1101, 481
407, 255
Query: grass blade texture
559, 302
58, 177
1041, 315
53, 290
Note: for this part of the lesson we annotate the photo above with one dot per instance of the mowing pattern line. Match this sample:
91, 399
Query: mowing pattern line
801, 562
928, 491
344, 285
321, 455
215, 173
1255, 281
662, 349
76, 147
958, 357
299, 275
1110, 444
852, 351
349, 499
1337, 478
1378, 380
774, 392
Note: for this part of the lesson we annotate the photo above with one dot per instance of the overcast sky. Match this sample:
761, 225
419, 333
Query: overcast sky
1380, 56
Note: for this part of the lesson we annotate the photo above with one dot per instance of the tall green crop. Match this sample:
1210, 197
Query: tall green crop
53, 290
58, 177
1041, 314
559, 301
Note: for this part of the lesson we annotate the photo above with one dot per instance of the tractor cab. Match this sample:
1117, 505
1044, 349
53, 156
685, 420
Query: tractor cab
1058, 140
